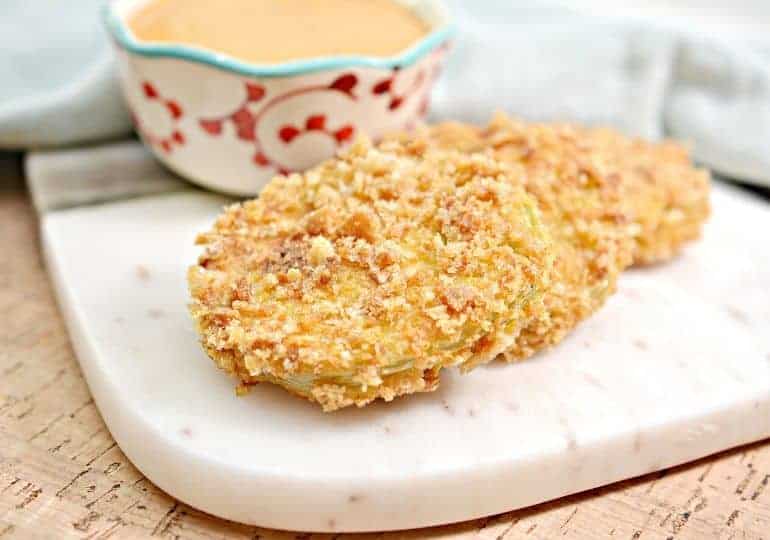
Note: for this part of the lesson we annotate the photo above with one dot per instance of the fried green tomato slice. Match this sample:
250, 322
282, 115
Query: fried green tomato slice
666, 198
579, 204
607, 200
363, 277
654, 187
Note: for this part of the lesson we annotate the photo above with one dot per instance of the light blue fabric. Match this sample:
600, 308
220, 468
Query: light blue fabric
57, 80
645, 78
533, 59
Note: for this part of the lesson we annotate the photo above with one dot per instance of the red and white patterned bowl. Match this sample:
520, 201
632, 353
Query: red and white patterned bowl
231, 126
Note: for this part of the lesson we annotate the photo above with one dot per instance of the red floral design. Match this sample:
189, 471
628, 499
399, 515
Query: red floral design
288, 133
345, 133
345, 83
175, 111
149, 91
386, 87
246, 121
212, 127
242, 118
255, 92
246, 118
316, 122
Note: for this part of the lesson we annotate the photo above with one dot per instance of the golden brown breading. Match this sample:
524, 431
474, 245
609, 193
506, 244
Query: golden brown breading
579, 204
657, 188
606, 199
663, 194
363, 277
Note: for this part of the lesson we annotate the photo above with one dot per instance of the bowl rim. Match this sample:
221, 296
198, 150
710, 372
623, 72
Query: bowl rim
123, 36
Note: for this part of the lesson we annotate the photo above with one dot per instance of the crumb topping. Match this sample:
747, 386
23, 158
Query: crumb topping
606, 199
364, 276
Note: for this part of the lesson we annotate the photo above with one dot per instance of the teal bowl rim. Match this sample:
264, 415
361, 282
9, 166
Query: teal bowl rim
119, 31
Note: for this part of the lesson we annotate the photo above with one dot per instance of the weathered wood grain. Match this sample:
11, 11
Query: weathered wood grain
62, 476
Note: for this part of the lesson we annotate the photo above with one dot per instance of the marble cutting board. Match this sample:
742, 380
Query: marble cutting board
676, 367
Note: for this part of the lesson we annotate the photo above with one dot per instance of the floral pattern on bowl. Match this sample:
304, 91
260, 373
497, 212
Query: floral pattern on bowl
231, 126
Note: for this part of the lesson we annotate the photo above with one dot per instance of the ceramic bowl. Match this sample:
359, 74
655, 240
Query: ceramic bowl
231, 126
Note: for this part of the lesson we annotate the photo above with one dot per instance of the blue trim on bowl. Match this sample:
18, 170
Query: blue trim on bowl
125, 39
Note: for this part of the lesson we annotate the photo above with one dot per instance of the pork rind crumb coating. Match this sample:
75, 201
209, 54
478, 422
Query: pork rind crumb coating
607, 200
656, 187
580, 205
665, 197
363, 277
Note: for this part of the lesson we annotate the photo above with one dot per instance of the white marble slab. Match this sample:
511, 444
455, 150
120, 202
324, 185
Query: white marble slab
677, 366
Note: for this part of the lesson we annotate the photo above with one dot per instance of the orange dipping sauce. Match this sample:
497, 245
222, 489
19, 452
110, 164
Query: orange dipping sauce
274, 31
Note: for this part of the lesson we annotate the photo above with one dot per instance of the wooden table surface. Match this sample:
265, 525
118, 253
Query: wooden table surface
62, 475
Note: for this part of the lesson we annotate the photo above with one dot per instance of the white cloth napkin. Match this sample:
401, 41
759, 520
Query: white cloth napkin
535, 59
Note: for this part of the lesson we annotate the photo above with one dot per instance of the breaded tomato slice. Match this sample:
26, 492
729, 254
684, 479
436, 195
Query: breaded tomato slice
363, 277
606, 199
579, 204
654, 186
